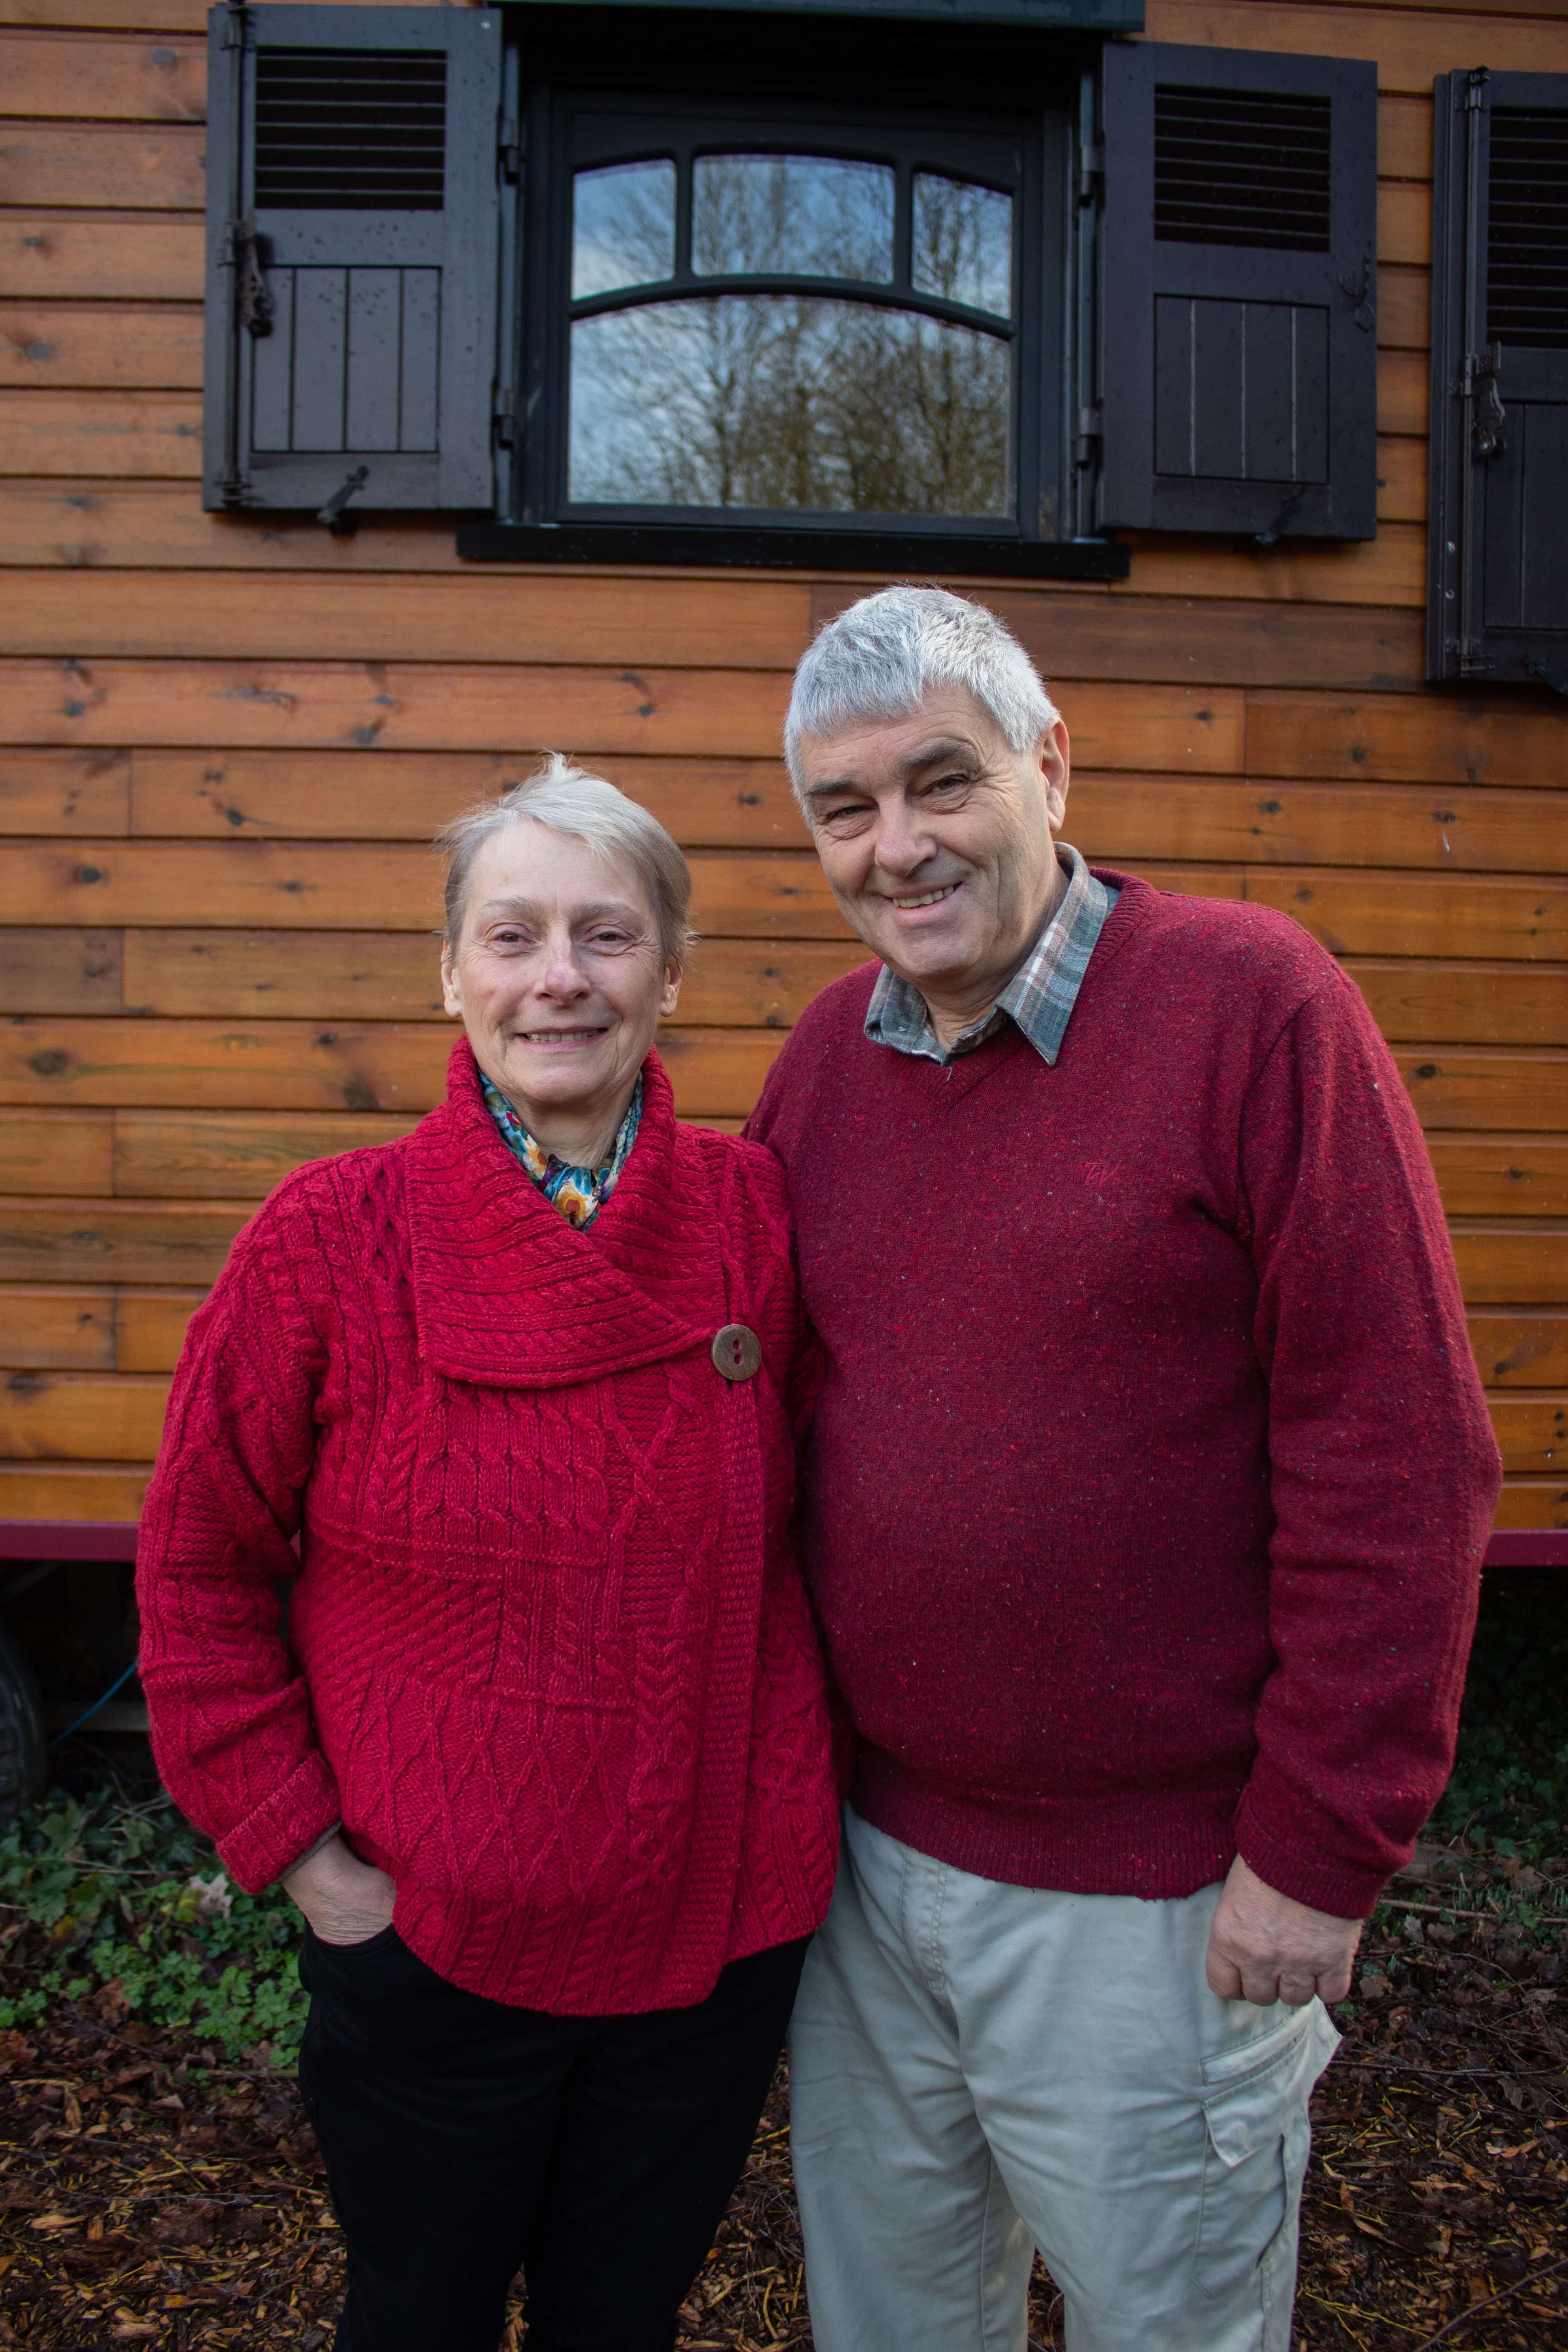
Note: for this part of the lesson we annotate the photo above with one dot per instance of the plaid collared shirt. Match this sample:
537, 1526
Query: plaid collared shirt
1039, 997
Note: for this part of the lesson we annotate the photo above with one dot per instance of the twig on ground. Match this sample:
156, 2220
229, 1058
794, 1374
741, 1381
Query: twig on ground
1515, 2286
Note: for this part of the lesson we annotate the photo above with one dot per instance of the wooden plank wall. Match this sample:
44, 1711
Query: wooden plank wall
229, 742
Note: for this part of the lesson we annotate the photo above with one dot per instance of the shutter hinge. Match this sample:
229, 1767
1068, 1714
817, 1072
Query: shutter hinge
1476, 89
1086, 444
505, 417
1479, 383
1091, 173
511, 145
253, 295
1359, 291
236, 24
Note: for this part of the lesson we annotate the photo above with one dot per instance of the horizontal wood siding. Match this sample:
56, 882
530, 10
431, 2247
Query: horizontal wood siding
225, 744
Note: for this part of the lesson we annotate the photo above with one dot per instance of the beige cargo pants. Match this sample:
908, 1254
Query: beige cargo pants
978, 2069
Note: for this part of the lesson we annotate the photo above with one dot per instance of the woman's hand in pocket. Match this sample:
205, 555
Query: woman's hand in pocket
344, 1900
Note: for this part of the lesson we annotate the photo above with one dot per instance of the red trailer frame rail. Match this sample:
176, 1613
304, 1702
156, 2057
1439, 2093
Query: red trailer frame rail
116, 1539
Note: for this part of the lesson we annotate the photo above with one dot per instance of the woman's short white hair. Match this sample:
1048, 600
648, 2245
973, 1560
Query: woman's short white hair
566, 799
886, 653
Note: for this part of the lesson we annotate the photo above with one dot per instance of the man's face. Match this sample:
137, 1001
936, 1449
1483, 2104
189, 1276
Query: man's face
937, 840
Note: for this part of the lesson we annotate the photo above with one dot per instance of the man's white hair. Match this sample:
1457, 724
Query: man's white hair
886, 653
566, 799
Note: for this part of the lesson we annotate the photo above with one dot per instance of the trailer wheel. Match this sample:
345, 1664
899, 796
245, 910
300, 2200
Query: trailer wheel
24, 1746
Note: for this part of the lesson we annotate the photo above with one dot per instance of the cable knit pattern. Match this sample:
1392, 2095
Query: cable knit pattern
548, 1657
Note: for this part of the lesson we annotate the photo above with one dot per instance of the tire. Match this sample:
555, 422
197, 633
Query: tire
23, 1745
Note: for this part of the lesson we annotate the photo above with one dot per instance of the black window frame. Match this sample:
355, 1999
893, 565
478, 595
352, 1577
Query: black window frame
965, 150
533, 519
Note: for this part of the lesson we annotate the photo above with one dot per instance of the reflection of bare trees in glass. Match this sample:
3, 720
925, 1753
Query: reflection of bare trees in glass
792, 401
962, 244
806, 216
789, 401
623, 227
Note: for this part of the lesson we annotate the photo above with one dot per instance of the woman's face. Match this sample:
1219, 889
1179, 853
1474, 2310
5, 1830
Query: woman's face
558, 978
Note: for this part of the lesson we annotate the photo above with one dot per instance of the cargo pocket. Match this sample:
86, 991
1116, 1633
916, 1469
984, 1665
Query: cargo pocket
1258, 2139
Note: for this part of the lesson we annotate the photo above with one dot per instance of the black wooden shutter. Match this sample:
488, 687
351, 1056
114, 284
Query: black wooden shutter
1238, 351
1497, 485
352, 234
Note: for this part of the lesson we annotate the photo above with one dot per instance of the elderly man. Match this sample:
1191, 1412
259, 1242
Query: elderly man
1149, 1484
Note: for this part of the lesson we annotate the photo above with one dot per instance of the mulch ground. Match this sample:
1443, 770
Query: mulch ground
150, 2196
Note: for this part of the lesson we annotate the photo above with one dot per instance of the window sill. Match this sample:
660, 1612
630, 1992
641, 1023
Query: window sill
793, 550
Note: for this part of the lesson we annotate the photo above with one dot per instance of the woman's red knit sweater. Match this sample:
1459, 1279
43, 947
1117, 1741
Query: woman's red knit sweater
547, 1656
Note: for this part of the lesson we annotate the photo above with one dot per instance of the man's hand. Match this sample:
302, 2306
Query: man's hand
346, 1901
1265, 1947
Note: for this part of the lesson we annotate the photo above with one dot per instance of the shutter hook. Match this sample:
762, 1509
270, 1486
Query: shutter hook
1538, 669
340, 524
1285, 514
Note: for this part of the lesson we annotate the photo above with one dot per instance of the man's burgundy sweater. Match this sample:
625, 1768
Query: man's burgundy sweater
1151, 1473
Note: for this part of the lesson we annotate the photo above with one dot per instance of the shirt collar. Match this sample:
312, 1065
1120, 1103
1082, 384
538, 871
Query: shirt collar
1040, 996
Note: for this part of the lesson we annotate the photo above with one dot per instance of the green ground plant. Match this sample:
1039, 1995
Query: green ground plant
1509, 1793
132, 1910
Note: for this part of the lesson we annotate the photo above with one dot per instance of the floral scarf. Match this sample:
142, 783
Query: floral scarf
578, 1193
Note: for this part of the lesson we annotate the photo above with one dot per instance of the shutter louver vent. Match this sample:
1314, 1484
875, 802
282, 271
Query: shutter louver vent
351, 130
1241, 168
1527, 237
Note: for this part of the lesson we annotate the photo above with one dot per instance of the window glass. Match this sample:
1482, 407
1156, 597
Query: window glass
623, 227
789, 402
811, 216
962, 243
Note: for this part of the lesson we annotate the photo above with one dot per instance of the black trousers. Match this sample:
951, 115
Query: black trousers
464, 2139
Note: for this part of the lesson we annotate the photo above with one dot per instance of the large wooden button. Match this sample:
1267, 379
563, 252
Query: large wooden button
737, 1352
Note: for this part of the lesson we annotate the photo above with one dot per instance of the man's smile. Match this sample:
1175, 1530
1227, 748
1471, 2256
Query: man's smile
926, 898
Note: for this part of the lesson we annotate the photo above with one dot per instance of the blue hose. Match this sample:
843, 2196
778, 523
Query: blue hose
97, 1703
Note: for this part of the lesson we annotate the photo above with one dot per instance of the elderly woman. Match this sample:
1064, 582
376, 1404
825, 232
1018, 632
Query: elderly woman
543, 1753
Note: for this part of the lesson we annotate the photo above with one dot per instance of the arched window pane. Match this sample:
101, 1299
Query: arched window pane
813, 215
789, 402
962, 243
623, 227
